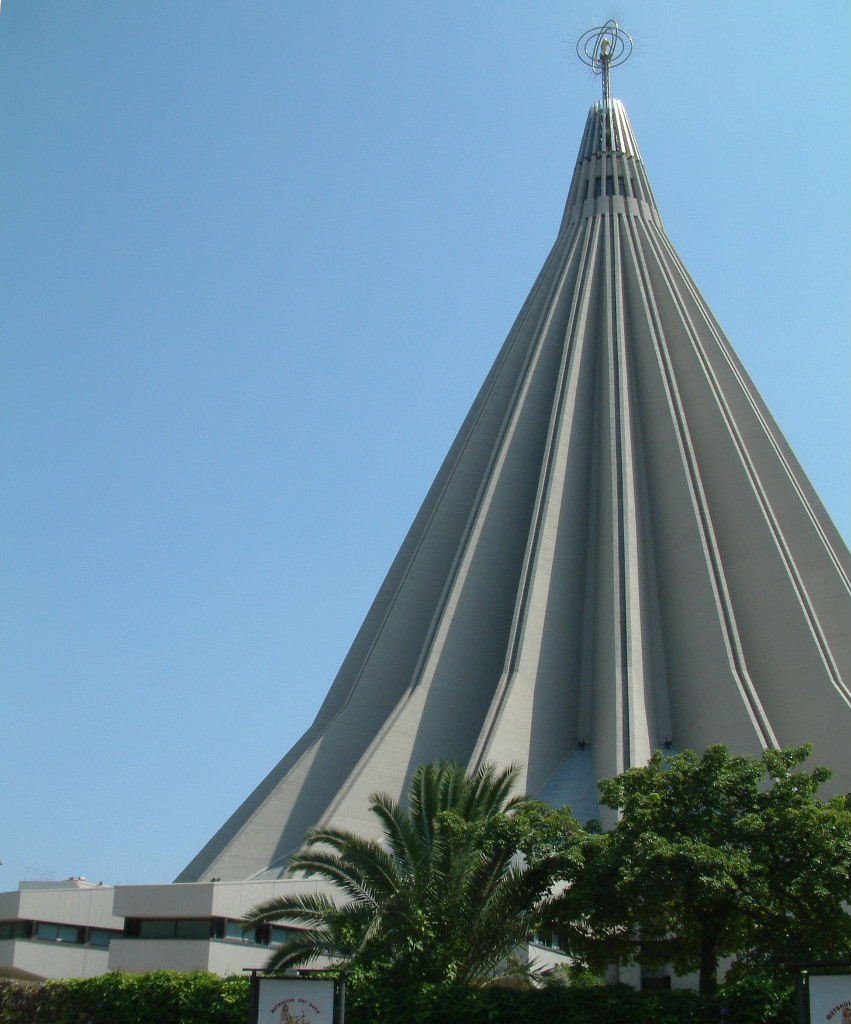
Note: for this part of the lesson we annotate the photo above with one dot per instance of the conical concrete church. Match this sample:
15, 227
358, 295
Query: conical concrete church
620, 553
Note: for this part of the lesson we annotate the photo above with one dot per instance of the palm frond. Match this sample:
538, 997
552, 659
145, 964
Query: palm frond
425, 797
337, 838
303, 949
310, 908
399, 831
489, 791
362, 867
360, 881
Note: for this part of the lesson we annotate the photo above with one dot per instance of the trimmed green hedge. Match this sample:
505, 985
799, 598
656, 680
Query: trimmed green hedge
161, 997
543, 1006
169, 997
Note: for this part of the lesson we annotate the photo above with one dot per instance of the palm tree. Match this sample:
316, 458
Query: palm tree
443, 897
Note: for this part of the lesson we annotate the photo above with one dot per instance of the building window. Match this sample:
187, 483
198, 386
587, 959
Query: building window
189, 929
234, 932
59, 932
281, 935
549, 938
99, 937
49, 931
170, 928
156, 929
274, 935
204, 928
655, 983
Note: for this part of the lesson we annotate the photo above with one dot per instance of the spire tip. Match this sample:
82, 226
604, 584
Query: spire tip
604, 48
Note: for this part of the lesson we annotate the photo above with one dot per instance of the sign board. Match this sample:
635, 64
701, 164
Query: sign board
830, 998
295, 1001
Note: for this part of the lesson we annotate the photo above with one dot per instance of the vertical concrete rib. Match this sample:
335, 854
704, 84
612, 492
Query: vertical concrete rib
637, 608
752, 475
792, 474
661, 333
508, 730
418, 729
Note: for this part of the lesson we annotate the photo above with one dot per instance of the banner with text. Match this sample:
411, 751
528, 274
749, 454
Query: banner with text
830, 998
295, 1001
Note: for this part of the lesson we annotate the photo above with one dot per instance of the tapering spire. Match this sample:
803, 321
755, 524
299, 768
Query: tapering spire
609, 175
619, 553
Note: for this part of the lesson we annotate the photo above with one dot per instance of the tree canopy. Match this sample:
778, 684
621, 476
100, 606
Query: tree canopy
712, 856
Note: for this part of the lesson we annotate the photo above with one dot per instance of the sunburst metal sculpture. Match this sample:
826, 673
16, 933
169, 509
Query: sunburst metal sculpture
604, 48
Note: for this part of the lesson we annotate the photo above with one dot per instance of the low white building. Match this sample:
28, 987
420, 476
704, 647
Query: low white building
57, 929
75, 929
197, 926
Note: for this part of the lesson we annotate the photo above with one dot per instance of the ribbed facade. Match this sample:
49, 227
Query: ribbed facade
620, 553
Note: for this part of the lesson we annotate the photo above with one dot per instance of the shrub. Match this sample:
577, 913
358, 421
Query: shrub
170, 997
161, 997
759, 997
554, 1005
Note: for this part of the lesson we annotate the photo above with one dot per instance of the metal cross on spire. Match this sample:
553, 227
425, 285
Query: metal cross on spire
604, 48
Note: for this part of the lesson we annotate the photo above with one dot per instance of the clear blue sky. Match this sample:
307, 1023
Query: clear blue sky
256, 260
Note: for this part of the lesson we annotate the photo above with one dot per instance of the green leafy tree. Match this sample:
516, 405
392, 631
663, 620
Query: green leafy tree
444, 897
714, 856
